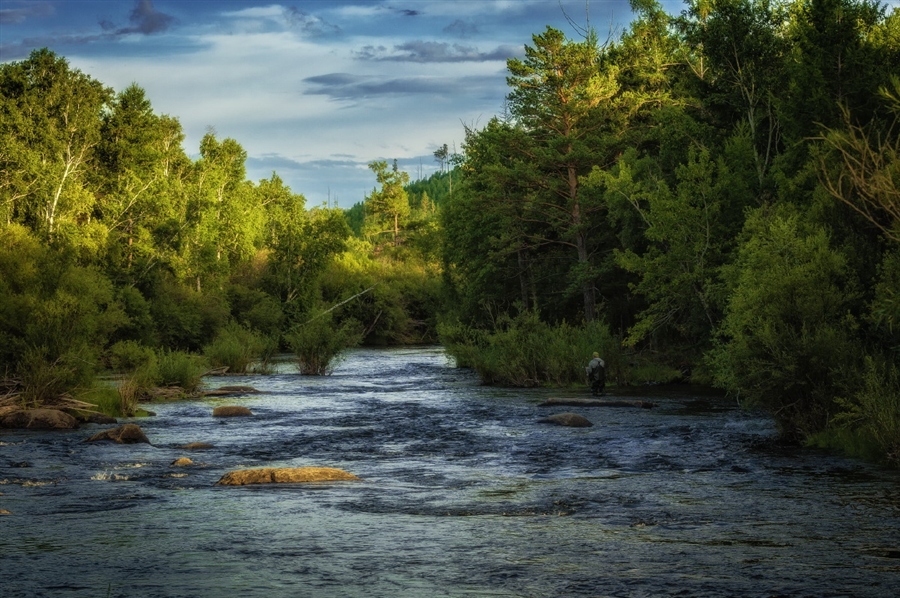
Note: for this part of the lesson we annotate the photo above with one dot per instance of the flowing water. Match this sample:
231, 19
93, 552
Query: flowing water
463, 493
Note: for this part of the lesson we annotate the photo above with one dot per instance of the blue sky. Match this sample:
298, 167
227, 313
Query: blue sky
312, 89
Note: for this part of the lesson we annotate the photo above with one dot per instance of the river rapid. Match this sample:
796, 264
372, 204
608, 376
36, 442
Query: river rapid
462, 493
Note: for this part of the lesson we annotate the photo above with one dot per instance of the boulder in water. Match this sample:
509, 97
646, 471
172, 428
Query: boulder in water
284, 475
182, 462
231, 411
39, 419
573, 420
127, 434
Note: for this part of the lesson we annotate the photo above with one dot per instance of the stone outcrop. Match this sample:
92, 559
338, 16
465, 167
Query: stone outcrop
182, 462
231, 411
572, 420
39, 419
284, 475
127, 434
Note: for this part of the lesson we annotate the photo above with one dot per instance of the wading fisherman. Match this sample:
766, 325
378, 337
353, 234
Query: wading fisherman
596, 374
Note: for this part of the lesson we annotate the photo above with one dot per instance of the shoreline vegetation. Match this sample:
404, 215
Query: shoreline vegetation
710, 198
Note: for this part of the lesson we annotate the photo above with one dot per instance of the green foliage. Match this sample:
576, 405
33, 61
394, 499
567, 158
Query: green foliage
55, 316
44, 379
387, 209
112, 401
50, 122
129, 355
318, 342
868, 425
172, 368
185, 318
237, 347
788, 339
525, 351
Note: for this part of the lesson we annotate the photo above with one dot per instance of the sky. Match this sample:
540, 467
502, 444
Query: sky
314, 90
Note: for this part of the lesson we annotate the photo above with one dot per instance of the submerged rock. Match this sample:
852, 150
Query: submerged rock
194, 446
284, 475
231, 411
39, 419
573, 420
223, 391
96, 418
127, 434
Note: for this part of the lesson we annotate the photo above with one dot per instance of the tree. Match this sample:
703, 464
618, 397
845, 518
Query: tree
557, 92
49, 128
867, 178
388, 206
140, 188
788, 336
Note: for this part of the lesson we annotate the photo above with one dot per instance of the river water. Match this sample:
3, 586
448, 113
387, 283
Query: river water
463, 493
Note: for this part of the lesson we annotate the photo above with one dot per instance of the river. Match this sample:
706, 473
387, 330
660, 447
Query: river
463, 493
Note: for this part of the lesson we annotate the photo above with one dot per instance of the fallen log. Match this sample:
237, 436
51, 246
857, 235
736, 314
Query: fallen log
596, 403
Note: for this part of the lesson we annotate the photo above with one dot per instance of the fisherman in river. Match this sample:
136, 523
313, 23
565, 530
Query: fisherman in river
596, 374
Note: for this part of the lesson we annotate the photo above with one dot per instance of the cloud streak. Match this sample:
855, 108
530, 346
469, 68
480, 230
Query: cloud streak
430, 51
31, 10
346, 86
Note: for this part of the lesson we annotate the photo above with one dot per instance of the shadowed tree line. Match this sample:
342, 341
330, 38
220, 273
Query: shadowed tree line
718, 189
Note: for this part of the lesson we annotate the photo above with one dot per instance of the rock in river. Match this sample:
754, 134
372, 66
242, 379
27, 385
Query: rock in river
231, 411
127, 434
196, 446
39, 419
573, 420
284, 475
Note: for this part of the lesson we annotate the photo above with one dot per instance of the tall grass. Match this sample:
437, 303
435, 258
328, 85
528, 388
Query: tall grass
524, 351
172, 368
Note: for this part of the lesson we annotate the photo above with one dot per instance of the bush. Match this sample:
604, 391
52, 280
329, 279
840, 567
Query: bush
525, 352
318, 342
788, 337
869, 425
236, 347
44, 378
53, 314
172, 368
129, 356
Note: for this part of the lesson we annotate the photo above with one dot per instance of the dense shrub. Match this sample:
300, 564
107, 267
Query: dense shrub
237, 347
318, 342
525, 351
129, 355
788, 336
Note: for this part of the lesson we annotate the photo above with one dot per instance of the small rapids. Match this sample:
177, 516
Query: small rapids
463, 493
